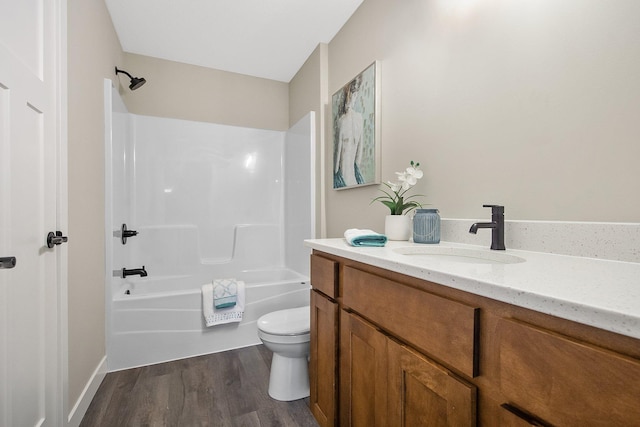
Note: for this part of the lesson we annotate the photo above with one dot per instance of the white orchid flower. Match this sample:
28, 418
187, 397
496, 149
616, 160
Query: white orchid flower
414, 172
395, 187
407, 180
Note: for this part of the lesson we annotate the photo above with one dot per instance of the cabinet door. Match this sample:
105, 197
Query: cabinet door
422, 393
565, 381
441, 327
323, 359
363, 373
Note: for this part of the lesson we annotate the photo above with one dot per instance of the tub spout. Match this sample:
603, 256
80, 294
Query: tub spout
134, 272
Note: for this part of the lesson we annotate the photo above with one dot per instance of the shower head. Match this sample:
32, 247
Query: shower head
136, 82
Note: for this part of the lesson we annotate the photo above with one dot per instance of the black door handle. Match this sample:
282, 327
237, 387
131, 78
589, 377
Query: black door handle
55, 238
8, 262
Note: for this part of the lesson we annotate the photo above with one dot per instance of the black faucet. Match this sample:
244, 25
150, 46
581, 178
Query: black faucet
134, 271
496, 225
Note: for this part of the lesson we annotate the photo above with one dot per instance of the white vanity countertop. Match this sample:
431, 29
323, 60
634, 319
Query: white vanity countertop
600, 293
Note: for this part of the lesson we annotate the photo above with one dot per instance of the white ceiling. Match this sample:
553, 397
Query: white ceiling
262, 38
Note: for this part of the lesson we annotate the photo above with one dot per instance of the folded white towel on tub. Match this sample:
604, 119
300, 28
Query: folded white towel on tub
218, 316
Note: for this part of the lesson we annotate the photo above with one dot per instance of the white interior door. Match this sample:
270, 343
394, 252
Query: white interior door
30, 144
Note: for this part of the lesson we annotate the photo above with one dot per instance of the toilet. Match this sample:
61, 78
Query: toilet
286, 334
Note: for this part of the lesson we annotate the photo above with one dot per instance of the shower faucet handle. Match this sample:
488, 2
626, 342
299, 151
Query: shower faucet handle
125, 234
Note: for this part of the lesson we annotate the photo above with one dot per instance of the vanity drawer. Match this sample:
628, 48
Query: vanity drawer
442, 328
324, 275
565, 381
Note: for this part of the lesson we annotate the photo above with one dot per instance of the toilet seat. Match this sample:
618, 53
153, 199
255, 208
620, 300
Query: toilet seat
290, 322
284, 339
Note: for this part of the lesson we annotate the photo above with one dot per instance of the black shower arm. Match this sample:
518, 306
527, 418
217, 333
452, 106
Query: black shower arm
123, 71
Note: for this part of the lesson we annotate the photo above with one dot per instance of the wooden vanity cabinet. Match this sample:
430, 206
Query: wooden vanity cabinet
363, 373
563, 381
384, 383
323, 360
423, 393
401, 351
443, 328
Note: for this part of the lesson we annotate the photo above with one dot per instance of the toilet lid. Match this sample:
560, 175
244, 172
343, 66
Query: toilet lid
294, 321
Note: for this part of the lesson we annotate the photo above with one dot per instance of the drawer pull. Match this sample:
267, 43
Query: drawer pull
531, 419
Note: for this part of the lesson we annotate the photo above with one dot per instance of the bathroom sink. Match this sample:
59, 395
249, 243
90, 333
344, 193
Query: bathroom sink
459, 255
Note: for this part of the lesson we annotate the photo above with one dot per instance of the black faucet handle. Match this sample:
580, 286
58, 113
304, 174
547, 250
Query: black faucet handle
495, 209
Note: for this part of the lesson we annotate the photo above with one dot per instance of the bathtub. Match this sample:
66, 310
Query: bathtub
158, 319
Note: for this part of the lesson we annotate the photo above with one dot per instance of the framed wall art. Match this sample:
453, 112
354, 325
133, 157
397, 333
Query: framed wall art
355, 113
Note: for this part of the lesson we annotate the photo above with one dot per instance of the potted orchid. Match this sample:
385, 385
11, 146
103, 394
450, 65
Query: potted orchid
396, 199
397, 224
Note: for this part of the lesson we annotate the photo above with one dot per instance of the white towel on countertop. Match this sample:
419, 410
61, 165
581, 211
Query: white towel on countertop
218, 316
366, 237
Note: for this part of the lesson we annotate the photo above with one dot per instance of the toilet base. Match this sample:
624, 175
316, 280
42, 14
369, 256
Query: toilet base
289, 378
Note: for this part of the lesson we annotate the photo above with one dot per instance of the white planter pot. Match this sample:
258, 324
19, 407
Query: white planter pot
397, 227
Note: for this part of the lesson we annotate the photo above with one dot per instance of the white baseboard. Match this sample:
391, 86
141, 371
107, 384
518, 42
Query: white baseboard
80, 408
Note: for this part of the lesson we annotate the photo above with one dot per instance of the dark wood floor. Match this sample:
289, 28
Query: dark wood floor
221, 389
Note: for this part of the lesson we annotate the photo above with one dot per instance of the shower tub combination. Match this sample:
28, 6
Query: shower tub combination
208, 201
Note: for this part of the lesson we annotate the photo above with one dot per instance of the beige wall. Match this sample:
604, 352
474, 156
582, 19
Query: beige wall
93, 51
190, 92
532, 104
308, 92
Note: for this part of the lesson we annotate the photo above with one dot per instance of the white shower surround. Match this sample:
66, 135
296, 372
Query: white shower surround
209, 201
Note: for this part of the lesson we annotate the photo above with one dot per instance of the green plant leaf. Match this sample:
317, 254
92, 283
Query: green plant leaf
390, 205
